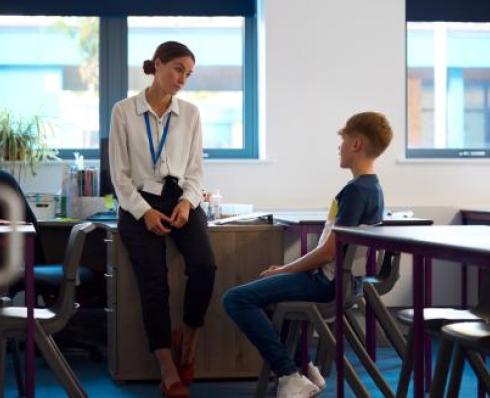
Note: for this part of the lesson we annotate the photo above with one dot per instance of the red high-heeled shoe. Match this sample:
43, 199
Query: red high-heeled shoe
186, 373
176, 390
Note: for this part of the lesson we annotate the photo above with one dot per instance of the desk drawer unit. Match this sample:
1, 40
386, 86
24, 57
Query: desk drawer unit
223, 352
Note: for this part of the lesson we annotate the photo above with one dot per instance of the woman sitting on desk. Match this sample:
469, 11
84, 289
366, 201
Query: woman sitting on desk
155, 155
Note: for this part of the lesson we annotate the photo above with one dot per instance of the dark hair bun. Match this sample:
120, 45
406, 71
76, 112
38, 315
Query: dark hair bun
149, 67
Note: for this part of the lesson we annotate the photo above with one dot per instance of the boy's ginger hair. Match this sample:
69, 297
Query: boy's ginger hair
375, 127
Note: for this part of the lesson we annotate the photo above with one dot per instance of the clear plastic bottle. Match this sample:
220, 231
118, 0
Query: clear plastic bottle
65, 191
215, 202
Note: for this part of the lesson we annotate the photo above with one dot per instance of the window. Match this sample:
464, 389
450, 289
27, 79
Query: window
216, 85
75, 68
448, 89
49, 67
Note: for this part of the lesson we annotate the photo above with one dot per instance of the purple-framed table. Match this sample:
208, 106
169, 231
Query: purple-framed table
28, 231
461, 244
471, 217
476, 216
304, 222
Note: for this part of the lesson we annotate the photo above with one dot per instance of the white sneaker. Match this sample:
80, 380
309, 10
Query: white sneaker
314, 375
296, 386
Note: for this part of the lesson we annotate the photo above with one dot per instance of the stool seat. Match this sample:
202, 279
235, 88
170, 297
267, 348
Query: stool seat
435, 318
470, 334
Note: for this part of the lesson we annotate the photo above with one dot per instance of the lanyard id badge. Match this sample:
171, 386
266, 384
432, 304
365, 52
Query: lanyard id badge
161, 144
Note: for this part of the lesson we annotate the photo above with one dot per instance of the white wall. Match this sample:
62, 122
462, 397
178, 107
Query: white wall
324, 60
327, 59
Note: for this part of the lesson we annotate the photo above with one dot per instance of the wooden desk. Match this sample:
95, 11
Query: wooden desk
28, 231
470, 244
241, 253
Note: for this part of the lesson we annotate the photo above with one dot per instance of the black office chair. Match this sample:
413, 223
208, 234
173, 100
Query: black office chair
49, 321
321, 316
374, 287
48, 278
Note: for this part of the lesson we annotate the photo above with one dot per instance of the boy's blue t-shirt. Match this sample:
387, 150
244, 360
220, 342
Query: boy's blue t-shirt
361, 201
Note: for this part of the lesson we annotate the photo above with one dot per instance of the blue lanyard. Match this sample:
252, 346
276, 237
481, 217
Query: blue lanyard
156, 156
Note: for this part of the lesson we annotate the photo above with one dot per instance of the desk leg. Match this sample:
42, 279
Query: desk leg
370, 319
428, 303
339, 324
29, 292
418, 341
464, 286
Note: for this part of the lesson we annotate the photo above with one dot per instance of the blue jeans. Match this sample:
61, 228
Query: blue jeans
245, 305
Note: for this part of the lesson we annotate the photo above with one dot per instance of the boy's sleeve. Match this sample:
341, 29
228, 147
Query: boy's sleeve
350, 207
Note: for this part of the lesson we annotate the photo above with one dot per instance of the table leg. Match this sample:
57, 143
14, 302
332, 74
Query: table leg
428, 303
418, 341
339, 325
370, 319
29, 298
464, 286
304, 241
481, 387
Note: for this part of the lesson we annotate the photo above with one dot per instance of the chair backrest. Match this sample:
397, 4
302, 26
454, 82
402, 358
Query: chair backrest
388, 271
65, 304
350, 253
388, 262
10, 181
12, 243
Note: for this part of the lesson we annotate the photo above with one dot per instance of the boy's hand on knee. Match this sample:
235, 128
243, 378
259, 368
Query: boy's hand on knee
274, 270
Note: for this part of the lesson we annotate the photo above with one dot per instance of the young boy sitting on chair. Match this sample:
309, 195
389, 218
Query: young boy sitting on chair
310, 278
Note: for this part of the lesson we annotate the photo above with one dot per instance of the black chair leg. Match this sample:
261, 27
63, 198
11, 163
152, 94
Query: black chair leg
19, 379
406, 370
480, 368
456, 373
442, 369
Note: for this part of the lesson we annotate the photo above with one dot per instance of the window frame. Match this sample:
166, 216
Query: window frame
113, 56
445, 11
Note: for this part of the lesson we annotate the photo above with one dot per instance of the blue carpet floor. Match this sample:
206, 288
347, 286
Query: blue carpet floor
98, 383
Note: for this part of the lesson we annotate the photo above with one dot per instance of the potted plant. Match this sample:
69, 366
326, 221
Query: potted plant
23, 143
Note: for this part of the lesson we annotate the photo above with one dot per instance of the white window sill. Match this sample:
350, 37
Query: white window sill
95, 162
254, 162
459, 161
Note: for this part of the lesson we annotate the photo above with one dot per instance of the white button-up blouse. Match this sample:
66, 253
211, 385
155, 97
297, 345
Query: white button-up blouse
130, 159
